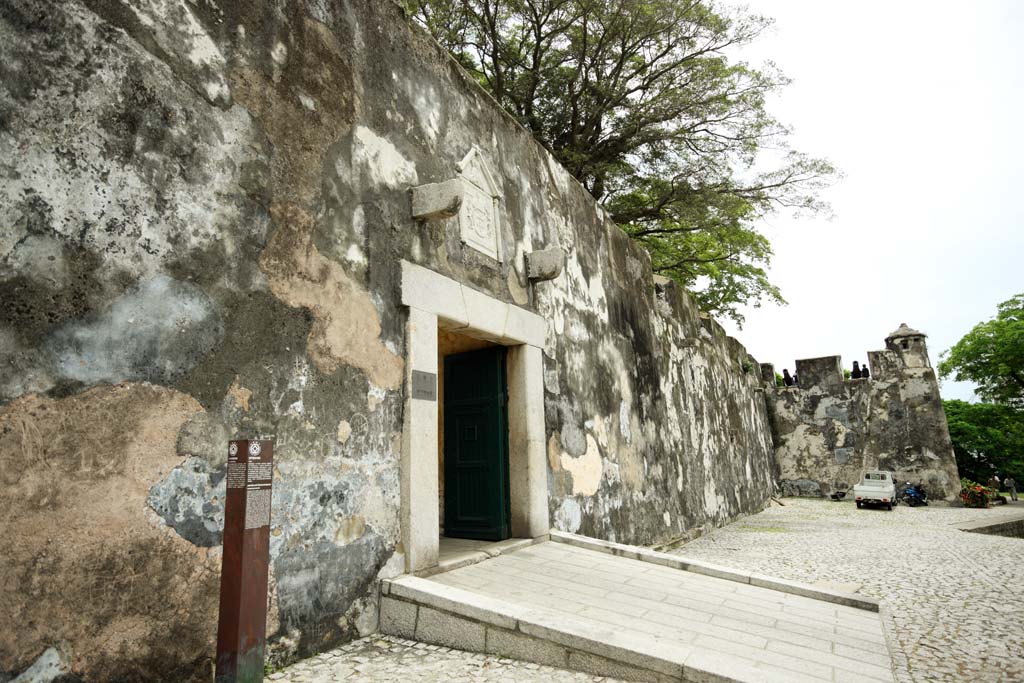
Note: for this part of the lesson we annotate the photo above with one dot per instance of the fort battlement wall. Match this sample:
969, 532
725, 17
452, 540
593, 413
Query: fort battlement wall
828, 429
207, 220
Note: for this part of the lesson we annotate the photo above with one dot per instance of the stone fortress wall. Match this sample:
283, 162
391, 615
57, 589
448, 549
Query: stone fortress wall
203, 216
828, 430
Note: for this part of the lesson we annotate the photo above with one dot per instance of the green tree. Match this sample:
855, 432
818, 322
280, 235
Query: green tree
639, 100
988, 439
992, 356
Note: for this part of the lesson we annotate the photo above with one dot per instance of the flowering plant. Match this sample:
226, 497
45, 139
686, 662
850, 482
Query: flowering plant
974, 495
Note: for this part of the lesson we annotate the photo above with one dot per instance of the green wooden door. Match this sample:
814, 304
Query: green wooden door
476, 501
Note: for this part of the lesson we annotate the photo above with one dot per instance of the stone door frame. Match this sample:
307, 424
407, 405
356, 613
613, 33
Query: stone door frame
438, 301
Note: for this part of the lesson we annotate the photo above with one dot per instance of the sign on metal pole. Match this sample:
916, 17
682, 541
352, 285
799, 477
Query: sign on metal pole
242, 627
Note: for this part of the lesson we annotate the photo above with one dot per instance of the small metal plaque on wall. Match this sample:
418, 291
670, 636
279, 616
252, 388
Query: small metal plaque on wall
424, 385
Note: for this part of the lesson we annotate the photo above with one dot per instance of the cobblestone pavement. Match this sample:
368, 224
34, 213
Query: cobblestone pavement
384, 659
956, 599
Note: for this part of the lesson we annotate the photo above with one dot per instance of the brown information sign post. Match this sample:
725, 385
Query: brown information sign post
242, 629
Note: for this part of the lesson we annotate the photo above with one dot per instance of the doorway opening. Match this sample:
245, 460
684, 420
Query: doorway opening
447, 319
473, 450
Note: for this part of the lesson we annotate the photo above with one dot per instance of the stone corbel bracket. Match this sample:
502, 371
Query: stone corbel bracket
546, 264
472, 197
437, 201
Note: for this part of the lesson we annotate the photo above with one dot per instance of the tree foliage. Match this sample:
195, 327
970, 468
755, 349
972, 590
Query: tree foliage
988, 438
992, 356
640, 101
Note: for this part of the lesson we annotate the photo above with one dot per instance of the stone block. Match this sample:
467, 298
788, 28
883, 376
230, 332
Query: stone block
518, 646
663, 559
441, 628
419, 483
485, 314
546, 264
456, 601
843, 676
600, 666
824, 372
525, 327
437, 201
397, 618
595, 544
717, 571
875, 657
603, 640
459, 560
508, 546
432, 292
866, 669
815, 592
715, 667
527, 448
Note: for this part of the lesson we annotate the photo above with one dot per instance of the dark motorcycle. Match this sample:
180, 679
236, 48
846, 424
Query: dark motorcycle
913, 495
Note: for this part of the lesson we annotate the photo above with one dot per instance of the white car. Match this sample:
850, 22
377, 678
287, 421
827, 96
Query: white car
876, 488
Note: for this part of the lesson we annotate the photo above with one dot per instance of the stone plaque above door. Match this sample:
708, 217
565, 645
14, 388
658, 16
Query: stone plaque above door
478, 215
472, 197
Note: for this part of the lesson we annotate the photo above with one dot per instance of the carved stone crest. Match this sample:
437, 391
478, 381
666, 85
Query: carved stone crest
472, 196
478, 215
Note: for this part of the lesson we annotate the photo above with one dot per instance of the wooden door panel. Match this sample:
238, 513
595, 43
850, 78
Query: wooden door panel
476, 445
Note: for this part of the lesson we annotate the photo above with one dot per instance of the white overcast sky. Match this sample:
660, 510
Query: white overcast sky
920, 104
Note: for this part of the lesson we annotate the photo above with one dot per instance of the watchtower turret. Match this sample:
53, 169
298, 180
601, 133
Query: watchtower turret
909, 346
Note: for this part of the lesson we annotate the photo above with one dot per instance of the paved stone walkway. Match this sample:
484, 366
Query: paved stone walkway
956, 598
787, 637
384, 659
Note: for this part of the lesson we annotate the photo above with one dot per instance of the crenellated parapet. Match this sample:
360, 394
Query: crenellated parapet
829, 429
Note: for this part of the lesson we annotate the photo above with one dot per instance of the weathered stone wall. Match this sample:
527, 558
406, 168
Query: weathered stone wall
203, 211
829, 430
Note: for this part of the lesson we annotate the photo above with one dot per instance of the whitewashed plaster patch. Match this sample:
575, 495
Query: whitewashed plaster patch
569, 516
586, 470
344, 431
173, 319
178, 33
427, 106
380, 160
52, 664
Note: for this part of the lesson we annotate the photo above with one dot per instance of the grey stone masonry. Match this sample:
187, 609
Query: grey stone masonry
639, 620
827, 430
436, 201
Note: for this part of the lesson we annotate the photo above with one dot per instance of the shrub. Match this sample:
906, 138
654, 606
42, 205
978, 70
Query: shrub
974, 495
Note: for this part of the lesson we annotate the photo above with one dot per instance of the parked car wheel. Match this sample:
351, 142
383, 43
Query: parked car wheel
890, 507
859, 505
